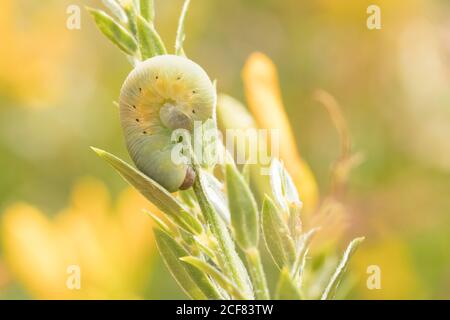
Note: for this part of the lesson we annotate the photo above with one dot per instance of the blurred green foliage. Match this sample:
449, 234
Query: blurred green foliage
57, 88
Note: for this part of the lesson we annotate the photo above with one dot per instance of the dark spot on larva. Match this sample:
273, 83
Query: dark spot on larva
134, 106
193, 111
137, 120
144, 132
156, 77
140, 89
193, 91
180, 139
178, 78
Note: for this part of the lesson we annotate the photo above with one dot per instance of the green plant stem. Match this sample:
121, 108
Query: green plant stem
228, 257
257, 274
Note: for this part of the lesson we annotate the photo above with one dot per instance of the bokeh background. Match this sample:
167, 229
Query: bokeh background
61, 205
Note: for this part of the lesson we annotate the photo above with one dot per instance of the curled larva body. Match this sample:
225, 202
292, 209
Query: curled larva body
160, 95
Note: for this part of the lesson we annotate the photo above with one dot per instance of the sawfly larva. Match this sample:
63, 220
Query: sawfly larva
160, 95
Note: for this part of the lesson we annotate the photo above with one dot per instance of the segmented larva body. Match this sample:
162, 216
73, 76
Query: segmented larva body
160, 95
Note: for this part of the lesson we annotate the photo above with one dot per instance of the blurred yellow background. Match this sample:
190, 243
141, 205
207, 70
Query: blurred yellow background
60, 205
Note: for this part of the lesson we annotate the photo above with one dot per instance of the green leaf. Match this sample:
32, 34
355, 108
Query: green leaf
180, 30
155, 193
227, 257
147, 8
299, 264
246, 172
149, 40
194, 282
205, 249
130, 11
243, 209
116, 10
136, 4
188, 197
158, 222
294, 221
286, 287
283, 188
333, 284
276, 235
208, 140
114, 31
216, 275
214, 190
257, 274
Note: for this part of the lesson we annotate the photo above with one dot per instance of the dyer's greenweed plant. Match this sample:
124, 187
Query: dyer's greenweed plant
210, 232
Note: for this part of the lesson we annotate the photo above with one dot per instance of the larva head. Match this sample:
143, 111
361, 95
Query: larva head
160, 95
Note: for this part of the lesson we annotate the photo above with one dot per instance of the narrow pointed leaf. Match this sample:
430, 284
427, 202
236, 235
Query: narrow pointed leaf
114, 31
215, 274
257, 274
147, 8
188, 197
209, 143
136, 4
243, 209
130, 11
149, 40
283, 188
227, 257
246, 172
299, 264
214, 190
286, 287
205, 249
276, 235
194, 282
158, 222
331, 288
294, 221
155, 193
116, 10
180, 31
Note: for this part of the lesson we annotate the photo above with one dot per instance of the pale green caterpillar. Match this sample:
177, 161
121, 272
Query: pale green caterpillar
161, 94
